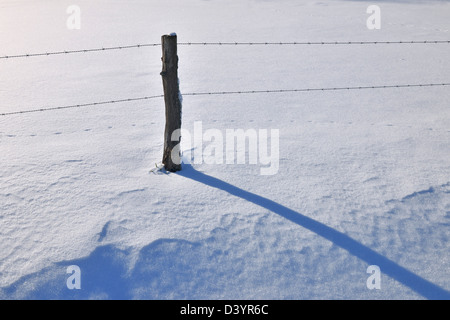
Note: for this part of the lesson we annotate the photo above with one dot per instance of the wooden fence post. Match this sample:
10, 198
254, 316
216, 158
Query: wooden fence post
171, 156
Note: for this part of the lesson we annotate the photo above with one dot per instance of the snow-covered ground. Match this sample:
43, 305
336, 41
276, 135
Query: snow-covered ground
363, 179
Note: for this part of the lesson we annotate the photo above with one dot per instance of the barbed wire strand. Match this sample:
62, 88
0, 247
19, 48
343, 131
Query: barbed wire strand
81, 105
317, 89
311, 43
28, 55
228, 93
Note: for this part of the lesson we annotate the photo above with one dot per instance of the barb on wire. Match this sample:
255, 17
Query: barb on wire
28, 55
230, 93
80, 105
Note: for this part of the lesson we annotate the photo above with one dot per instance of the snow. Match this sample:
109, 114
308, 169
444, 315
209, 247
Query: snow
363, 179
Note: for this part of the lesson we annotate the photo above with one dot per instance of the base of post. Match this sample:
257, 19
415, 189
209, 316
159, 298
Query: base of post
169, 165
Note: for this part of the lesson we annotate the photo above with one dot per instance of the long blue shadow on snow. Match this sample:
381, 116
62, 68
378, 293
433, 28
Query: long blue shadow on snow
388, 267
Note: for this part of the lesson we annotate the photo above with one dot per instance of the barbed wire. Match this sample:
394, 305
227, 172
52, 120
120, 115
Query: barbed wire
28, 55
311, 43
91, 104
228, 93
317, 89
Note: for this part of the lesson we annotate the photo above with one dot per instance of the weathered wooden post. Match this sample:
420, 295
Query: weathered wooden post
171, 156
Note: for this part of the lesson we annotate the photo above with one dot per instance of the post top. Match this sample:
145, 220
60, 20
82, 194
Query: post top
173, 35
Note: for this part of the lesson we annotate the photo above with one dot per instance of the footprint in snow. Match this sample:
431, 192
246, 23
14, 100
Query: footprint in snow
102, 234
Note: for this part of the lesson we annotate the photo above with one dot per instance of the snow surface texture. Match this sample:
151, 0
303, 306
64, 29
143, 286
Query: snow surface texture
364, 176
